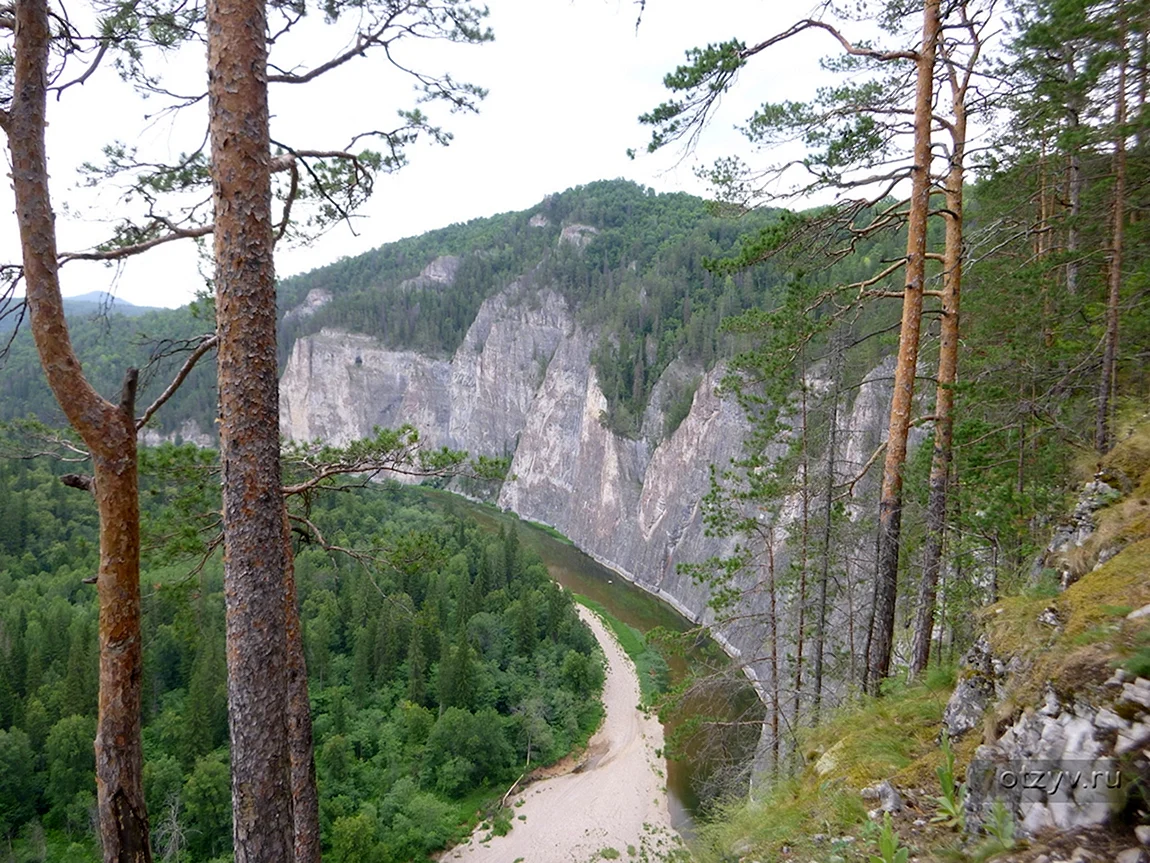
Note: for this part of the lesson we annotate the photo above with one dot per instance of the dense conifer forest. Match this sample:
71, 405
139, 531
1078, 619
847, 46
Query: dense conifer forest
983, 260
436, 679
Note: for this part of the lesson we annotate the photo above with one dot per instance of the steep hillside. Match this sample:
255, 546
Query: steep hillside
1047, 718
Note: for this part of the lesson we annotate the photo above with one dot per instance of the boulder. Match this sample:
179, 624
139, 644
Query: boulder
887, 797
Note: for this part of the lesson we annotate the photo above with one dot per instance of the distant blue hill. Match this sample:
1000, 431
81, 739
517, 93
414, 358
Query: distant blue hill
101, 301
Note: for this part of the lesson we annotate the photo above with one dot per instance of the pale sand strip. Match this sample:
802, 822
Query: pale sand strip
617, 800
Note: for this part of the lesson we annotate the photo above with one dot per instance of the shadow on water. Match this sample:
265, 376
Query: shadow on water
708, 753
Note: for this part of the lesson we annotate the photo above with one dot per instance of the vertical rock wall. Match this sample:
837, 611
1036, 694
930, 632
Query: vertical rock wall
522, 384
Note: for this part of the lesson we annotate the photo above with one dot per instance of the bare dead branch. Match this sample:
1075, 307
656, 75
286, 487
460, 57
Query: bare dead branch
206, 345
87, 72
850, 484
121, 252
293, 190
847, 45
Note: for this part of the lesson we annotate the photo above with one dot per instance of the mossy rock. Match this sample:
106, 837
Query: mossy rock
1123, 580
1131, 457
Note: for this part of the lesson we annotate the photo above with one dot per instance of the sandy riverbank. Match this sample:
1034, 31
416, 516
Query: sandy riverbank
617, 800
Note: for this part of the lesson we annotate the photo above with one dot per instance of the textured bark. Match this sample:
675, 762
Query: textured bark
254, 565
305, 799
109, 431
944, 397
1110, 349
881, 638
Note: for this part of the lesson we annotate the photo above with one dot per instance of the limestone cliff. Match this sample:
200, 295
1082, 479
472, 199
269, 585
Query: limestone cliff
522, 384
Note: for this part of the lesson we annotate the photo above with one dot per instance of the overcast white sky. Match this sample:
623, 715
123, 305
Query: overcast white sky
567, 80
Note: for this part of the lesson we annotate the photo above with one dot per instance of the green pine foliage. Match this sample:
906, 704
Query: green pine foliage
435, 673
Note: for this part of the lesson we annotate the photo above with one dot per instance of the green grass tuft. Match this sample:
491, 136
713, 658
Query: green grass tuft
652, 669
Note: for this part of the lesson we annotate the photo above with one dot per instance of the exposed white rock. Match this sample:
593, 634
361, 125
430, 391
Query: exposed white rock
539, 221
829, 760
337, 386
886, 795
1133, 738
1055, 768
188, 432
1137, 692
522, 384
441, 271
577, 235
315, 300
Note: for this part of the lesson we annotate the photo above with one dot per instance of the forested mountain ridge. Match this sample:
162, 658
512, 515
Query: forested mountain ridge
638, 279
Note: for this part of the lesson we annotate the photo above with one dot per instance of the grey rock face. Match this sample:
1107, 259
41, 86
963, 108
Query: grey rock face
967, 705
522, 385
315, 300
337, 386
577, 235
980, 681
1064, 766
188, 432
1074, 531
438, 273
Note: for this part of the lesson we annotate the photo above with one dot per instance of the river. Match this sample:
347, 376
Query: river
697, 768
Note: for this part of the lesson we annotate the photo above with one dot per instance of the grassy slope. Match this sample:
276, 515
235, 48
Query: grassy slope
649, 663
896, 737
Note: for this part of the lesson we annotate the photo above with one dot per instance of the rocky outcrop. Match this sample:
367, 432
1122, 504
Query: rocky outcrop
522, 385
1066, 765
1074, 531
188, 432
337, 386
439, 273
577, 235
315, 300
981, 675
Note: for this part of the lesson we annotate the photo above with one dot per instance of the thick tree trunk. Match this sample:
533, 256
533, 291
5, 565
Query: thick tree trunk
1110, 349
109, 431
943, 399
305, 800
257, 657
880, 641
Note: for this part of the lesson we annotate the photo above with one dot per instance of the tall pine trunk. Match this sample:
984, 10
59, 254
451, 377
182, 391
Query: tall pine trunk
254, 564
305, 797
944, 396
1110, 348
804, 552
828, 514
947, 373
880, 640
109, 431
1073, 181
